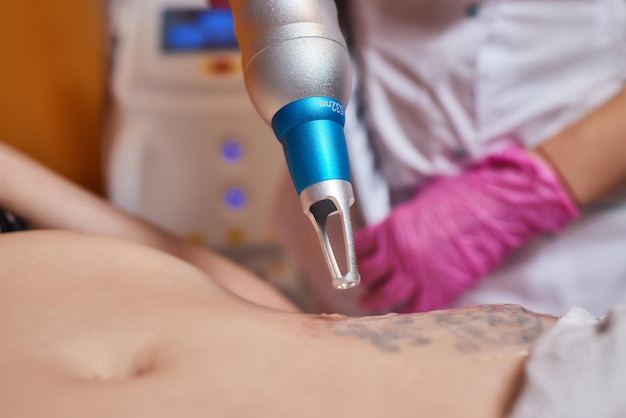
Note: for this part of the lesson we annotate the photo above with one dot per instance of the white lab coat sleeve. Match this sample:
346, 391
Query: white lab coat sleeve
371, 187
577, 369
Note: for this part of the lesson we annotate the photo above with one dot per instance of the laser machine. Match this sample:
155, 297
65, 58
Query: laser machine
188, 151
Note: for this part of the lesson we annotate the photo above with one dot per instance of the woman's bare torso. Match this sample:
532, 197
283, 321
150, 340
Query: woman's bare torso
98, 326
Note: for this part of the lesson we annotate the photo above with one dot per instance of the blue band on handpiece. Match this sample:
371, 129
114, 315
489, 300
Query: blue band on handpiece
311, 132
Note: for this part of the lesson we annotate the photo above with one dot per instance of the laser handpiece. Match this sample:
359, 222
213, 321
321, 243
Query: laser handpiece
297, 74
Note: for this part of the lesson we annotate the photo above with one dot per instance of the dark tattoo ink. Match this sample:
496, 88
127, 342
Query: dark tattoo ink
386, 332
472, 328
503, 325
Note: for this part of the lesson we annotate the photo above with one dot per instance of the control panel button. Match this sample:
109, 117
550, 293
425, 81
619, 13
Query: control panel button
232, 151
235, 198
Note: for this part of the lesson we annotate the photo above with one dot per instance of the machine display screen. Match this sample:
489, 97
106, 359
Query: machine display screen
189, 30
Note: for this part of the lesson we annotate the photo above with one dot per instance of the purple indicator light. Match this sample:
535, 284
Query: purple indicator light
235, 198
232, 151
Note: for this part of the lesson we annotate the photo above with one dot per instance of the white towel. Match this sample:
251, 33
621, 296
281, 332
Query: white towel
577, 369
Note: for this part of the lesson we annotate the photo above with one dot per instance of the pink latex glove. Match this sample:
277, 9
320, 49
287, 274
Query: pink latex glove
428, 251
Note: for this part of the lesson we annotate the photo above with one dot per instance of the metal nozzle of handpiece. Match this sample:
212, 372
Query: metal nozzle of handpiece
297, 73
311, 131
322, 200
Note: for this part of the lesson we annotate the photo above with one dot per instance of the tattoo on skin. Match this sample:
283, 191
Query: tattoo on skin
471, 328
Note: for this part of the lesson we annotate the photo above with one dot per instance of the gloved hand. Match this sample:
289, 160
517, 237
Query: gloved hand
428, 251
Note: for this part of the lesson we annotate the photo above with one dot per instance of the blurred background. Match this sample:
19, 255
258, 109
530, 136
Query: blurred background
143, 103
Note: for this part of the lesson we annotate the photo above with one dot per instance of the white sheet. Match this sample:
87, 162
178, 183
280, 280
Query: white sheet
577, 369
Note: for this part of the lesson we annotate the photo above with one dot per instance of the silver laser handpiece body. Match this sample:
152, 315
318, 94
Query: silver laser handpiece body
297, 73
